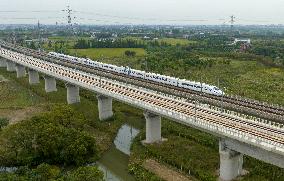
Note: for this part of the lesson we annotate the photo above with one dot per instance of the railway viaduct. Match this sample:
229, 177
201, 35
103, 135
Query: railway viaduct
239, 136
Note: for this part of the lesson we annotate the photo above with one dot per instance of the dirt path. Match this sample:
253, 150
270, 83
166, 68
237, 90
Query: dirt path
163, 171
20, 114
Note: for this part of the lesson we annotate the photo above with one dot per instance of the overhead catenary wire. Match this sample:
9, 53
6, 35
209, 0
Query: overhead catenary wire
118, 19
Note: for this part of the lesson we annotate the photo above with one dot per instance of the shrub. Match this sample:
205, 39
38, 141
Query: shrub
54, 138
88, 173
130, 53
3, 122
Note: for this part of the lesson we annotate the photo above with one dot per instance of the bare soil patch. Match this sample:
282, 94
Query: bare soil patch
163, 171
16, 115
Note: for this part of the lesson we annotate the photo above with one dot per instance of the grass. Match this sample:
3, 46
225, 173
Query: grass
15, 96
95, 53
245, 78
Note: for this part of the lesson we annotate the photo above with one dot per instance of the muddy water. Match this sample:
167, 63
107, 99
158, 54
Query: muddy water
114, 162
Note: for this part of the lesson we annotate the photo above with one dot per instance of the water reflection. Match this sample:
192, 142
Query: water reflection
124, 138
115, 161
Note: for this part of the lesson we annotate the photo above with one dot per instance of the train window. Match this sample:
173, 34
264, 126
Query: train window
215, 88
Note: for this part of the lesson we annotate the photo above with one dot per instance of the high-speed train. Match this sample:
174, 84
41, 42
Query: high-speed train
183, 83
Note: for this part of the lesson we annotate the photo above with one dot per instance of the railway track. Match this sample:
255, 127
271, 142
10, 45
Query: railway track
248, 106
254, 129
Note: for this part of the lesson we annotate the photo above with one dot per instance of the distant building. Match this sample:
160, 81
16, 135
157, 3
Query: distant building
242, 40
186, 36
146, 37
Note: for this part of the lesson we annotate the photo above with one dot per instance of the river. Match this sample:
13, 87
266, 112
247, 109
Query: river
114, 162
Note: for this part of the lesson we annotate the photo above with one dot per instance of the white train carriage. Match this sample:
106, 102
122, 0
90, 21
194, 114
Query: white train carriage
186, 84
109, 67
161, 78
137, 73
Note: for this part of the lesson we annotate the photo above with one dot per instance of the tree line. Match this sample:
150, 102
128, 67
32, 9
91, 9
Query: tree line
116, 43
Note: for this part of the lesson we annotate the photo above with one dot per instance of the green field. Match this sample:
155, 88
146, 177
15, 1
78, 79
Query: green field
175, 41
95, 53
65, 38
15, 96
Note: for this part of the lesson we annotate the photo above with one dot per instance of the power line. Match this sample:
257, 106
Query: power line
119, 19
20, 11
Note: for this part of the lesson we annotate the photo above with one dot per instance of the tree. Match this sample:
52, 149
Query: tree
49, 44
3, 122
130, 53
88, 173
55, 137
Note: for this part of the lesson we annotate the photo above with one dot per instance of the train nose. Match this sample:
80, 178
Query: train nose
221, 93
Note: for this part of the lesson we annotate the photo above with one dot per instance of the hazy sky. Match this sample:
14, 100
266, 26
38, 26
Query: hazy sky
144, 11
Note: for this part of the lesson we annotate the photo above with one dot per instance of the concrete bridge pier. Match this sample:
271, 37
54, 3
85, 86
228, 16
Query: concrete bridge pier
3, 62
72, 94
153, 127
33, 77
105, 107
11, 66
21, 71
50, 84
231, 163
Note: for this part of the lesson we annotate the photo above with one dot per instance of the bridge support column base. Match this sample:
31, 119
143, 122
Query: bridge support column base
11, 66
3, 62
21, 71
105, 107
50, 84
33, 77
153, 127
231, 163
72, 94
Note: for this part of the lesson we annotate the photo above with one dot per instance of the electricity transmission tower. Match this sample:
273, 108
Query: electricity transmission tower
232, 21
71, 28
69, 15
